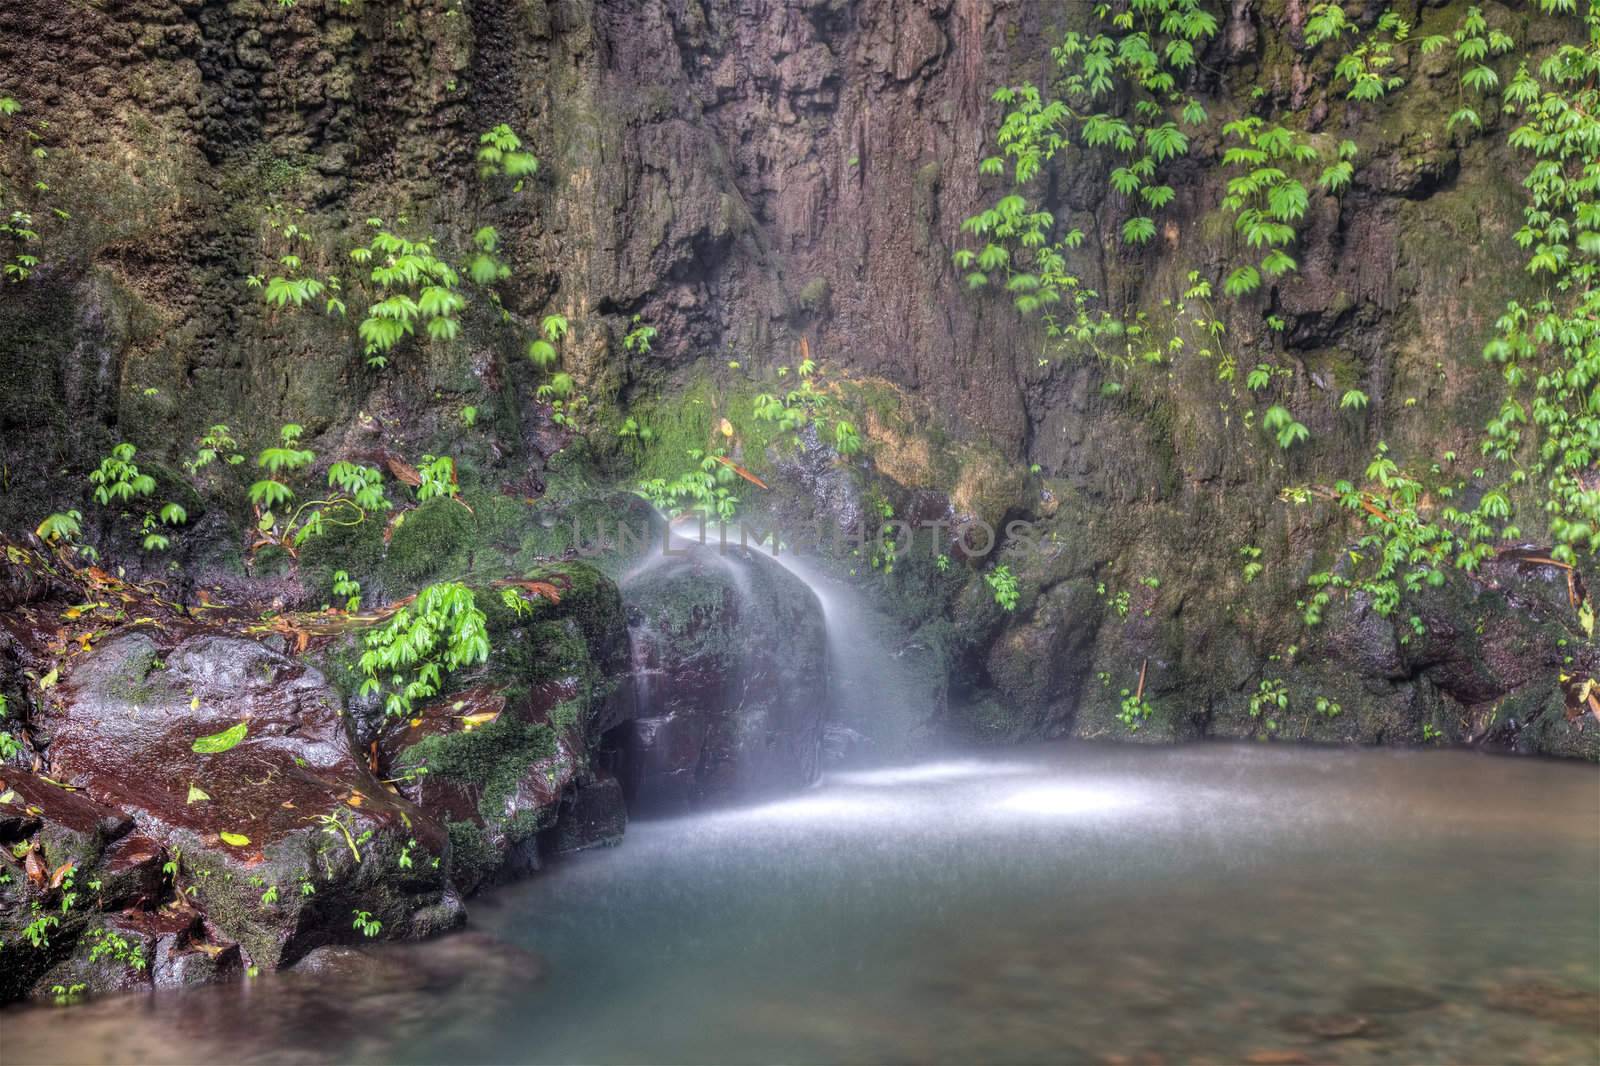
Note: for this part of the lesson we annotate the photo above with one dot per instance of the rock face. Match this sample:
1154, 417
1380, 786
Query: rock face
731, 677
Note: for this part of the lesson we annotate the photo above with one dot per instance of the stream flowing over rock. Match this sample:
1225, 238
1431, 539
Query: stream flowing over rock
730, 285
730, 672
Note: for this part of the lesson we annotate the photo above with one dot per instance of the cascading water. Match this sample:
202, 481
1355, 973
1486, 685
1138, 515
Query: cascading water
881, 701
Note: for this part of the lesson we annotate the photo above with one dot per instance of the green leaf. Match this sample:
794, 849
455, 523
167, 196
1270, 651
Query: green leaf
238, 840
217, 743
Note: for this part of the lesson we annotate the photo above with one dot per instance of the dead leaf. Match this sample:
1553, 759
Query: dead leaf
61, 873
38, 873
741, 471
403, 471
469, 722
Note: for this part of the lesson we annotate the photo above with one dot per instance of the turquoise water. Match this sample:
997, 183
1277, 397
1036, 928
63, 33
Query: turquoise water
1059, 903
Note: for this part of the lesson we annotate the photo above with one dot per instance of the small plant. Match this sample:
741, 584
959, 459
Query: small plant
1003, 583
357, 492
118, 477
367, 924
270, 896
1270, 695
116, 947
1430, 733
500, 153
215, 444
1328, 708
639, 337
1133, 710
1252, 569
411, 286
9, 745
63, 527
438, 475
37, 932
440, 632
347, 587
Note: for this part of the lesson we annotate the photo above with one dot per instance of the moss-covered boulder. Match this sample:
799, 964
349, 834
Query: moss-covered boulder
500, 756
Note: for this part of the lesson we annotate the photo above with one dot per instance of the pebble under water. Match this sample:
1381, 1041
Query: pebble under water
1057, 903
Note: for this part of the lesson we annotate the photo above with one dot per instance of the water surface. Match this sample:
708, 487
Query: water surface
1061, 903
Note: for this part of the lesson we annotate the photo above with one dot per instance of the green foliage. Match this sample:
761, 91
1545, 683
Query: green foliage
500, 154
355, 492
411, 286
348, 588
440, 632
1133, 710
1252, 567
1366, 68
639, 337
438, 478
366, 924
106, 944
1003, 584
1281, 424
118, 478
22, 192
483, 268
1548, 350
1475, 42
1267, 200
216, 443
63, 527
706, 487
1270, 697
1131, 67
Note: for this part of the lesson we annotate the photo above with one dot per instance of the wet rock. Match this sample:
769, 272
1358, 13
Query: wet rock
298, 808
594, 815
504, 758
731, 676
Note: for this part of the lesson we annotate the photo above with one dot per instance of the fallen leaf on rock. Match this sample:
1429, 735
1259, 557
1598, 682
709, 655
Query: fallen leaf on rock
61, 874
216, 743
238, 840
196, 795
49, 679
37, 871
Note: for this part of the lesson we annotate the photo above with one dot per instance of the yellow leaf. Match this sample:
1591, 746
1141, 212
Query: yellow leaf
49, 679
196, 795
726, 427
194, 703
472, 721
238, 840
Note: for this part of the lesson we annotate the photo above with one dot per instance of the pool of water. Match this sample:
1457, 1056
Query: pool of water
1061, 903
